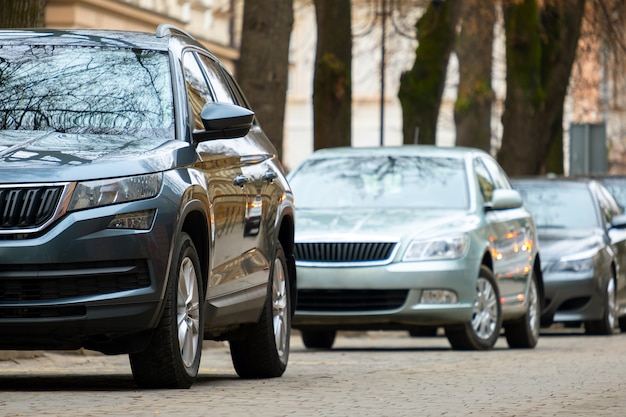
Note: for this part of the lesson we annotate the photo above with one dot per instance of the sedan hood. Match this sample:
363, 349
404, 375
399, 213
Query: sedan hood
36, 156
378, 224
556, 243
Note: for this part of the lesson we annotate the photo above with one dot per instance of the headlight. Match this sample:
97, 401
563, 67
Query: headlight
443, 248
90, 194
573, 265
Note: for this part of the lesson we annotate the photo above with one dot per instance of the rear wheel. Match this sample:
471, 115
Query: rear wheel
482, 332
606, 325
265, 350
172, 358
318, 339
524, 333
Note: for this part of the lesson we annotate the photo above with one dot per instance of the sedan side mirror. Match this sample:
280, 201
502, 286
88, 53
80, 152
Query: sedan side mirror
224, 121
505, 199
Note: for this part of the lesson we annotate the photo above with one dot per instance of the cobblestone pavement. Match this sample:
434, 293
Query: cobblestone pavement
373, 374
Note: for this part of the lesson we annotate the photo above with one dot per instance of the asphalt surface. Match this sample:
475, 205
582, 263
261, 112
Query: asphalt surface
373, 374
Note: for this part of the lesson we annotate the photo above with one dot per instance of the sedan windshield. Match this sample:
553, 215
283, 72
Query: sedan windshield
71, 89
381, 182
560, 207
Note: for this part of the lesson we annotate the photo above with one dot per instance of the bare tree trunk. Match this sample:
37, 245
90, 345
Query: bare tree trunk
474, 49
421, 87
263, 66
540, 46
22, 13
332, 83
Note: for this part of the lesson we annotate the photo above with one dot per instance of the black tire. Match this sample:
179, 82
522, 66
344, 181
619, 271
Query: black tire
264, 352
482, 332
607, 324
524, 333
165, 363
318, 339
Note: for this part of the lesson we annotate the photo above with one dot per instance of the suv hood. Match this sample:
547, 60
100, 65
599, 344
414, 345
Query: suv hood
378, 224
36, 156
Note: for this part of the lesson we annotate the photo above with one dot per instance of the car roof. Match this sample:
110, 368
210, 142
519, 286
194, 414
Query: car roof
84, 37
405, 150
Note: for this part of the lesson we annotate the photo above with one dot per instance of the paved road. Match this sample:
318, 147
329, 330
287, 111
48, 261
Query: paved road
373, 374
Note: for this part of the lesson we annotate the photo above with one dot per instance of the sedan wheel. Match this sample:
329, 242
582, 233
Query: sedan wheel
265, 350
606, 325
318, 339
524, 333
482, 332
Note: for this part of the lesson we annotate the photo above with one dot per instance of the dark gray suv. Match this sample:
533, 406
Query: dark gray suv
142, 208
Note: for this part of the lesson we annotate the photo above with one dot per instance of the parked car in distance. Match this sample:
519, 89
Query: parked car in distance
616, 184
143, 208
414, 237
582, 241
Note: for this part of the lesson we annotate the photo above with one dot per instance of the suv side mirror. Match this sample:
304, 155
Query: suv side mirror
224, 121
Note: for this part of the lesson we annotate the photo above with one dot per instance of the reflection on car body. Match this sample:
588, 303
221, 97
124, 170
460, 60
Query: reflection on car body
582, 239
414, 237
127, 163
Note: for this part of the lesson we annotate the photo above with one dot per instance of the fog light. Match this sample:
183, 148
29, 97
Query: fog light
438, 297
140, 220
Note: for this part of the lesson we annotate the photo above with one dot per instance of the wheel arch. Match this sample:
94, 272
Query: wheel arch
286, 232
196, 225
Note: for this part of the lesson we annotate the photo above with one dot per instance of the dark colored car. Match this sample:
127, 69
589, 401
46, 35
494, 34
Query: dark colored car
582, 242
616, 184
414, 238
142, 208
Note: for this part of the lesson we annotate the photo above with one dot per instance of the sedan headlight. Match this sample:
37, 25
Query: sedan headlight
98, 193
451, 247
574, 265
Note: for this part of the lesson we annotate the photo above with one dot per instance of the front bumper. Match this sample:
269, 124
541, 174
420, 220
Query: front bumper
572, 297
82, 284
396, 289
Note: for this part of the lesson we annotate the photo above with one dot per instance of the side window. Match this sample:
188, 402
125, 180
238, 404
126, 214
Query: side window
499, 177
198, 92
216, 79
485, 182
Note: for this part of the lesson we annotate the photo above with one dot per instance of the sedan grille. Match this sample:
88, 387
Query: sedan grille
344, 252
350, 300
28, 207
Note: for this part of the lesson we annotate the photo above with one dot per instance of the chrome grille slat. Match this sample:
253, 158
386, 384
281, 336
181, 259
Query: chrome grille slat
344, 251
28, 207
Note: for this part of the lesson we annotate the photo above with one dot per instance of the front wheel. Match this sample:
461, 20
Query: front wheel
482, 332
606, 325
265, 350
172, 358
524, 333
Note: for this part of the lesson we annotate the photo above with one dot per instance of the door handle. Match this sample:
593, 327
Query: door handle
269, 176
240, 180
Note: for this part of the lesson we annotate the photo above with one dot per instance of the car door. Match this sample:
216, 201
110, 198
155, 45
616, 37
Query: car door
253, 263
512, 233
616, 237
222, 172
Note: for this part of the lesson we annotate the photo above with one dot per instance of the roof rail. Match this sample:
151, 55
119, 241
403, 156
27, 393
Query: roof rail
165, 29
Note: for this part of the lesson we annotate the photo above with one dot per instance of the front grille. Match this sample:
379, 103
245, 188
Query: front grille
344, 252
28, 207
62, 281
350, 300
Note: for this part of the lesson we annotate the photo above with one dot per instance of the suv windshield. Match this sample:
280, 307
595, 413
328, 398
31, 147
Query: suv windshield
87, 90
381, 182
